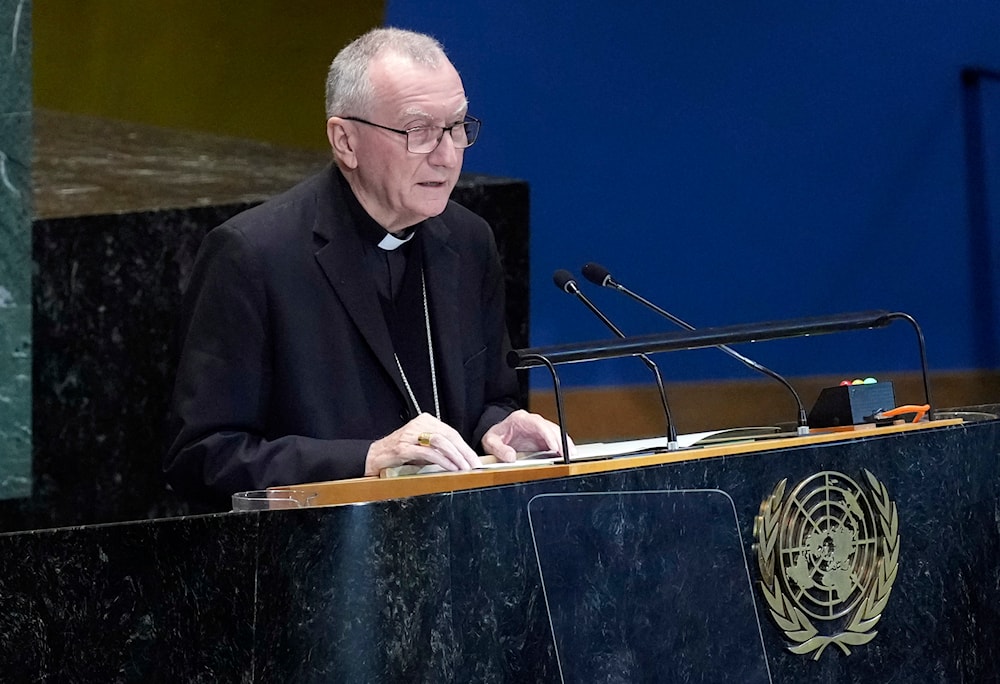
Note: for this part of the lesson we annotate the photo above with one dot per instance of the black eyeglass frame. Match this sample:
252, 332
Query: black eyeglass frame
444, 129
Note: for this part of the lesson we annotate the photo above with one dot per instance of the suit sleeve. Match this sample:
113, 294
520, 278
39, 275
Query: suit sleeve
223, 384
501, 380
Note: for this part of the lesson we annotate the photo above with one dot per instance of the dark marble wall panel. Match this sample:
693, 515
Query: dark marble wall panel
15, 248
164, 601
106, 298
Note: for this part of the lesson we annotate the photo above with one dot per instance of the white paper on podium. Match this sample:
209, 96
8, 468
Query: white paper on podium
601, 450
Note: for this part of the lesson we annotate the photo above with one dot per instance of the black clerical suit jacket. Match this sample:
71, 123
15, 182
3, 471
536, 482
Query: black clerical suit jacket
286, 373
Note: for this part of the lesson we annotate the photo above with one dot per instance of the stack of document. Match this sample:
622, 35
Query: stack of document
602, 450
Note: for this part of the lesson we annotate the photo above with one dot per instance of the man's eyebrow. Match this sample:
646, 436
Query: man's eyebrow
418, 112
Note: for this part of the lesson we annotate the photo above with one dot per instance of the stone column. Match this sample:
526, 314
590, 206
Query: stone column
15, 248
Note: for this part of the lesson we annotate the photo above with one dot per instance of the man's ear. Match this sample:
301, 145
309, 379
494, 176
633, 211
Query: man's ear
341, 142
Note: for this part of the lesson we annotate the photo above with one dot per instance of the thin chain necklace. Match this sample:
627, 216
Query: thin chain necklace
430, 356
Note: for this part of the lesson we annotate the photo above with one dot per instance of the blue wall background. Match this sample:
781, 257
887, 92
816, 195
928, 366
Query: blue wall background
740, 162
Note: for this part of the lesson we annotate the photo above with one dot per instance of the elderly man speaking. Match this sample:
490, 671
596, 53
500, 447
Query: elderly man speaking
355, 322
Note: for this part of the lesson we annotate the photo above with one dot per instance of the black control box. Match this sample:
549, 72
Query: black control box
851, 404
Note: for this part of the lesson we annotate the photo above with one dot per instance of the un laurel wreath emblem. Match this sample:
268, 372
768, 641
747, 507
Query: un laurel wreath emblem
828, 555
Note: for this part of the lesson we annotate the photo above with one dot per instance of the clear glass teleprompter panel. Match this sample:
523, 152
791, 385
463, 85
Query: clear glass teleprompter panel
272, 499
647, 586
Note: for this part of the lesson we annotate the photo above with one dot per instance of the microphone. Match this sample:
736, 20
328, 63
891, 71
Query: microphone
565, 282
599, 275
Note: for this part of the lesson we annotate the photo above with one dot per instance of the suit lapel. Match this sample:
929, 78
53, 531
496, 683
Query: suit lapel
342, 261
441, 267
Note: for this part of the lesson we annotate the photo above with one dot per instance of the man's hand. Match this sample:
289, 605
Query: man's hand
523, 431
425, 439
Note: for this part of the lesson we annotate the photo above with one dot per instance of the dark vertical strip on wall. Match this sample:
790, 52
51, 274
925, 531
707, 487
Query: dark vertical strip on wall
982, 245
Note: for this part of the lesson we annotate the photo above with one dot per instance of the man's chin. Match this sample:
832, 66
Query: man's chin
434, 208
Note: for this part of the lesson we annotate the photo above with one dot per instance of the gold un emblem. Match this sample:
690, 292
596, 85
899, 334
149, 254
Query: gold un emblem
828, 555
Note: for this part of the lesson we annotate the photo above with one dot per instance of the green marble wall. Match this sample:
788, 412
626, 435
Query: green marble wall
15, 248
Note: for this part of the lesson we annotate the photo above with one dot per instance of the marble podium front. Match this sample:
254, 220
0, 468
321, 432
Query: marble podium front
446, 587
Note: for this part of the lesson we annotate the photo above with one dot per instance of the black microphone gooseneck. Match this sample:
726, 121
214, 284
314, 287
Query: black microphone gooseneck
599, 275
565, 282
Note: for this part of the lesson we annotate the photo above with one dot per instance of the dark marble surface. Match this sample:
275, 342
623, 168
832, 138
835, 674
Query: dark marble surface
447, 587
15, 253
121, 209
636, 585
170, 600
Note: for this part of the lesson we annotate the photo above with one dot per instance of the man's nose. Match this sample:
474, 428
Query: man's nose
445, 154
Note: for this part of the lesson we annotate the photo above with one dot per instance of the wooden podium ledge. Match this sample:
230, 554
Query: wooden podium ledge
364, 489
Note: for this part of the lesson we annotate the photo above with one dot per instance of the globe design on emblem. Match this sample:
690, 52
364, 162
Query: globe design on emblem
828, 549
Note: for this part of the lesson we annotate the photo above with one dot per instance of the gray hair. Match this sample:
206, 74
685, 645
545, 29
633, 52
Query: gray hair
349, 90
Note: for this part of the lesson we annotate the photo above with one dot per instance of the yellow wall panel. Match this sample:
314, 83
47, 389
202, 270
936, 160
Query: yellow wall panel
248, 69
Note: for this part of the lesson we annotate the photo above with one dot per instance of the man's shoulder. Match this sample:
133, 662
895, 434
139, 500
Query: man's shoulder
457, 213
293, 207
463, 224
462, 229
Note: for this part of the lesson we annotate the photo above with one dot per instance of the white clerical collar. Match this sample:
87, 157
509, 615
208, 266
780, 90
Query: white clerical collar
391, 242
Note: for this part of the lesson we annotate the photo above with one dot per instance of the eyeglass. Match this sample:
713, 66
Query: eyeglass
425, 139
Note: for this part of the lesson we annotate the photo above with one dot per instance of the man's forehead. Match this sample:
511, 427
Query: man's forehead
422, 113
390, 69
407, 89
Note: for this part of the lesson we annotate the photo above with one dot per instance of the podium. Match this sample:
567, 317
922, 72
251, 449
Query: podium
437, 578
